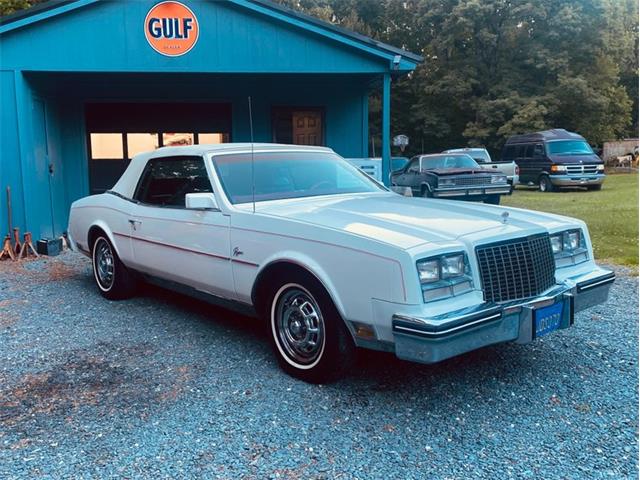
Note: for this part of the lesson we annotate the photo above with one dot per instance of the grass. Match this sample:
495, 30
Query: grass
611, 214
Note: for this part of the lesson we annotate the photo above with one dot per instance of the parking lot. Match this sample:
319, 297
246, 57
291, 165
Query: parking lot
165, 386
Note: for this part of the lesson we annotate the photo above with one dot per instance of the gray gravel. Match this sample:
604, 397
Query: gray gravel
165, 386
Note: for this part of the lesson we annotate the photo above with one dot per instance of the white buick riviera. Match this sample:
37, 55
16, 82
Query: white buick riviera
332, 260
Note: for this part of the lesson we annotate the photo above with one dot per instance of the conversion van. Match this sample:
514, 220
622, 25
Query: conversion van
553, 159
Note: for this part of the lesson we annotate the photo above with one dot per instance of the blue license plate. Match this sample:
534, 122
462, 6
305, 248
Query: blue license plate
547, 319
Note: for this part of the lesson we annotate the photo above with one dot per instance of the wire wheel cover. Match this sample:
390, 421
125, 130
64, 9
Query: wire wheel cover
300, 326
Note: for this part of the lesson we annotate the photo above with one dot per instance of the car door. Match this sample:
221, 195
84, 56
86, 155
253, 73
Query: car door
408, 177
175, 243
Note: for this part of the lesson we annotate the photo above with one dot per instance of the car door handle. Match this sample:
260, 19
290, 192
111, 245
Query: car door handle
134, 223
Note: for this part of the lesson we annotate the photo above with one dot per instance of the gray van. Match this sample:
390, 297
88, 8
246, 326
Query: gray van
555, 158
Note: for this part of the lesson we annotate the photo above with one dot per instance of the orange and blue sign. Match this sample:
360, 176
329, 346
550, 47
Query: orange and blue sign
171, 28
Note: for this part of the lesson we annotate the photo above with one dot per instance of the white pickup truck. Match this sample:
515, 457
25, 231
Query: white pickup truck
480, 155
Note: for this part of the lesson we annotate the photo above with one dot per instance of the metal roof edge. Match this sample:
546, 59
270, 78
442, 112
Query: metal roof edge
39, 12
390, 49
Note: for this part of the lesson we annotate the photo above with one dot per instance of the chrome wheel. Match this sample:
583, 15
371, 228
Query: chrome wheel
299, 325
103, 264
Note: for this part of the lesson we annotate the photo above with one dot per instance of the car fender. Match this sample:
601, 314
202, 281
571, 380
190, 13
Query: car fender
313, 267
101, 224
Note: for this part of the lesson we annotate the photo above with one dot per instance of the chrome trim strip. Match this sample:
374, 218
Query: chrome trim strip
450, 330
596, 284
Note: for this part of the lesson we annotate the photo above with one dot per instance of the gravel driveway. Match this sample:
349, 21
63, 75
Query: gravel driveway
166, 386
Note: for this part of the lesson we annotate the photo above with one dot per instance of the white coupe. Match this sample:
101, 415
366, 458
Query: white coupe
331, 259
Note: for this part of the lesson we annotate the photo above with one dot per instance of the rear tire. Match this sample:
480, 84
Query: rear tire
113, 279
545, 185
308, 335
492, 200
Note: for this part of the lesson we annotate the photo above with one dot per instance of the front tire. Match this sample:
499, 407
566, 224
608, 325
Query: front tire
113, 279
545, 185
308, 335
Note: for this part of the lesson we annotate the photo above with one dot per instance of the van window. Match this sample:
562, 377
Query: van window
538, 150
413, 166
520, 151
529, 151
509, 152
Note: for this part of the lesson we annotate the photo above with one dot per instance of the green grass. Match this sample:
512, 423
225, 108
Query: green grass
611, 214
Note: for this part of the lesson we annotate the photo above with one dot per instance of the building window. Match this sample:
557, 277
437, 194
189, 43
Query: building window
141, 142
298, 126
106, 146
177, 139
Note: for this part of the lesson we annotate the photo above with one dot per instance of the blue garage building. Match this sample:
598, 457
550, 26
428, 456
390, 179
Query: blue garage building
86, 84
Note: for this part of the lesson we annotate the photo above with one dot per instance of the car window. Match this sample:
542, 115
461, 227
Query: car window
165, 181
569, 147
413, 166
281, 175
449, 161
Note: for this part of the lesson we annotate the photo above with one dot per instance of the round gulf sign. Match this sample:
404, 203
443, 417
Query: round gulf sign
171, 28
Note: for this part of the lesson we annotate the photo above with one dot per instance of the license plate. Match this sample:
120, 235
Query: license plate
547, 319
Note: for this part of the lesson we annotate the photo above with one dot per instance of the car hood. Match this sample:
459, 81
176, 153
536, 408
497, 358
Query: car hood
459, 171
573, 159
408, 222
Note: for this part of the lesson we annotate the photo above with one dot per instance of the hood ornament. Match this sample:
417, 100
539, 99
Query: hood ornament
505, 216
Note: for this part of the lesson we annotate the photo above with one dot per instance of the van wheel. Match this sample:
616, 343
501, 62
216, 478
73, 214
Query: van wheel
308, 335
113, 279
545, 184
425, 192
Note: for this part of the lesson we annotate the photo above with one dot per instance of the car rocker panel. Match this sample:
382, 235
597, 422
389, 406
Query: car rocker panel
426, 279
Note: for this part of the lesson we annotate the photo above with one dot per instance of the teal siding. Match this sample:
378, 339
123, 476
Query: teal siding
90, 51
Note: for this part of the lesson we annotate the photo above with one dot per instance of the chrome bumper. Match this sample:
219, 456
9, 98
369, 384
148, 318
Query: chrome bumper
430, 340
471, 191
577, 180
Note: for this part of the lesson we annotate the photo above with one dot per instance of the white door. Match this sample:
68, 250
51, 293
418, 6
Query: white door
172, 242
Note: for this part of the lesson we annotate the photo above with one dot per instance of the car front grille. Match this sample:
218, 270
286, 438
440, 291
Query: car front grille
516, 269
472, 180
581, 169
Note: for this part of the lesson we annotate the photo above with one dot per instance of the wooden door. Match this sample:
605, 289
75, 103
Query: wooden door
307, 127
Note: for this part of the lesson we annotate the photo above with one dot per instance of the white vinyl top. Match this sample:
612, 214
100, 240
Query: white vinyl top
129, 179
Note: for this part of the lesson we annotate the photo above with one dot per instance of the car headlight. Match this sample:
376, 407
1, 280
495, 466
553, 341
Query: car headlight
446, 182
498, 179
444, 276
558, 168
452, 266
600, 168
569, 248
429, 271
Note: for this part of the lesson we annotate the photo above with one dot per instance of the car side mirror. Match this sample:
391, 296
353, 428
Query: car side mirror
201, 201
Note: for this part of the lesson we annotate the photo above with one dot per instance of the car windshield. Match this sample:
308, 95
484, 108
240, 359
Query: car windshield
448, 161
280, 175
480, 155
568, 147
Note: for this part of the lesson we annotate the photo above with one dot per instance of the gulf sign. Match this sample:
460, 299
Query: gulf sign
171, 28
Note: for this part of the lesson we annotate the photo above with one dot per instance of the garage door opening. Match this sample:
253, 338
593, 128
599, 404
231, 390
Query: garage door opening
118, 131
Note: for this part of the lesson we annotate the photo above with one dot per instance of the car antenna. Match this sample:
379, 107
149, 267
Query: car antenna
253, 178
